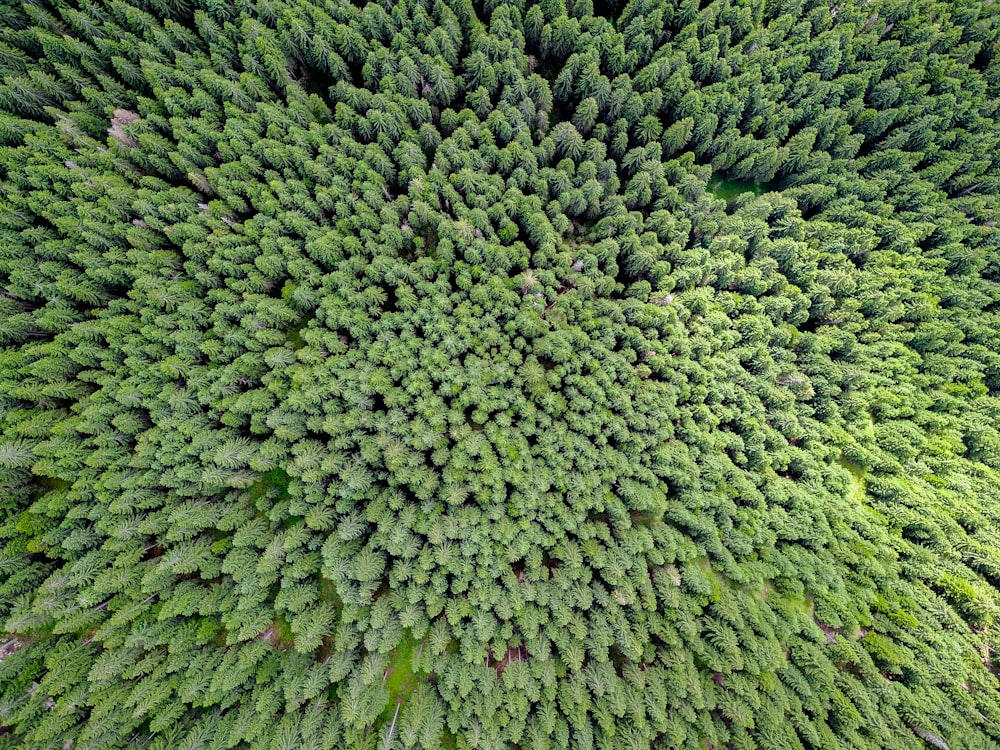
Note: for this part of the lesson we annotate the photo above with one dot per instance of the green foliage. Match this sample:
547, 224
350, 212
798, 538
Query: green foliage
438, 374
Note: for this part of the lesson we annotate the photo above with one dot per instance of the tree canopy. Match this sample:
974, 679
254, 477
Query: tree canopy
438, 374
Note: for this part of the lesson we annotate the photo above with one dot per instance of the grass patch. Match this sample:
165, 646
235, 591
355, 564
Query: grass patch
403, 676
401, 679
730, 190
856, 479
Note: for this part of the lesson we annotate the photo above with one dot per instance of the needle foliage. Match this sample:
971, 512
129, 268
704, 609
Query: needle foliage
438, 374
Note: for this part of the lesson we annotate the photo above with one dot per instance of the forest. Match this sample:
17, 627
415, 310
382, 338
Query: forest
580, 374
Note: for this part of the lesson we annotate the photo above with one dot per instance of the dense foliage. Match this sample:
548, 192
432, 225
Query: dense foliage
436, 374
